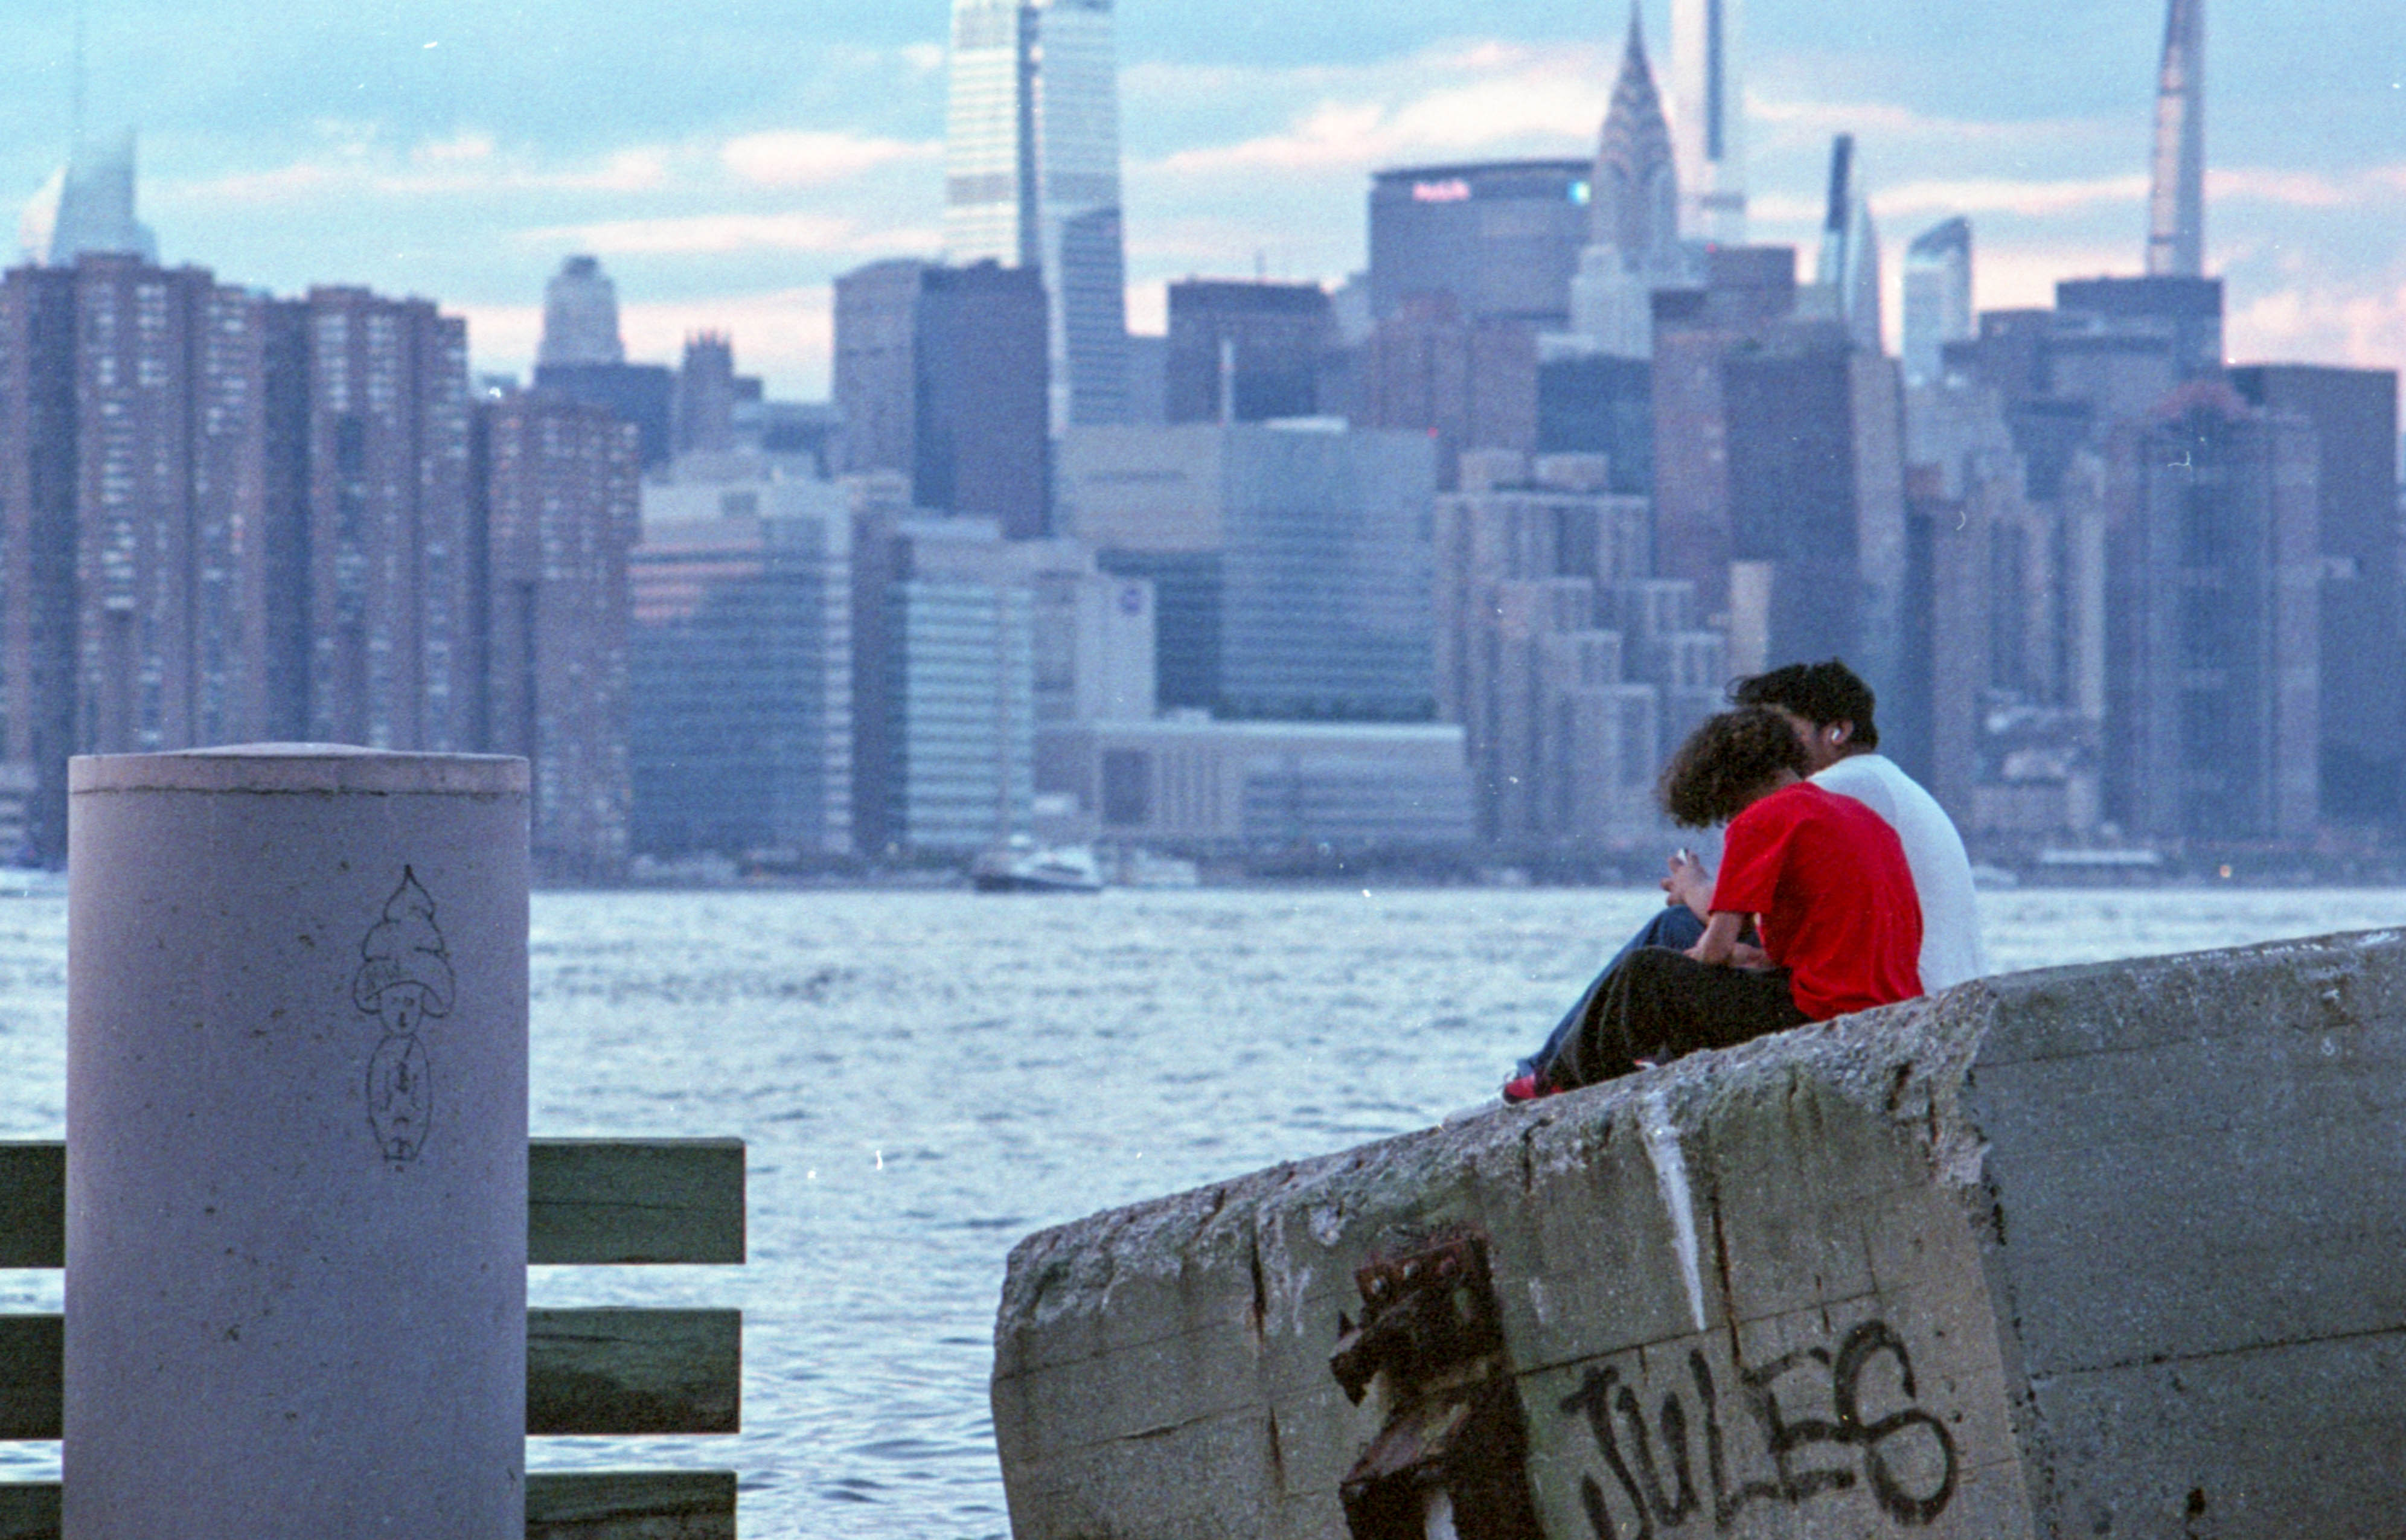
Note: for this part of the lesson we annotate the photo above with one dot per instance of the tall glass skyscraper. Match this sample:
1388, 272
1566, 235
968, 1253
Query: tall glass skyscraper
1032, 179
1708, 118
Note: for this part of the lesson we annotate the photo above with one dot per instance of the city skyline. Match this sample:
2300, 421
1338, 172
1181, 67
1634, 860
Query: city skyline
722, 195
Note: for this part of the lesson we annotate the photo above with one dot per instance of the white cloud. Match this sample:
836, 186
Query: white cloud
467, 166
1486, 99
810, 158
2034, 198
1778, 122
720, 235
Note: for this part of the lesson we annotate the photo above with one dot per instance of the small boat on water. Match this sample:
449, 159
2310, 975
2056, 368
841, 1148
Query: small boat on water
1025, 867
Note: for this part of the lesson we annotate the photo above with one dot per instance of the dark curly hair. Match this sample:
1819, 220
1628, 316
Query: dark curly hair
1822, 693
1725, 762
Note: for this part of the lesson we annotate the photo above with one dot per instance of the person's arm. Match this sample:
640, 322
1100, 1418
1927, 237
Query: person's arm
1691, 883
1718, 946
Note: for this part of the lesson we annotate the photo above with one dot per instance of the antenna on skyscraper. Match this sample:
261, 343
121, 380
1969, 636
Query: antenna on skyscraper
2177, 192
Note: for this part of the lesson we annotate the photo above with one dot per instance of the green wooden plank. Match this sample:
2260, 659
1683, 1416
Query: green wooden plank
29, 1510
563, 1506
602, 1201
32, 1206
627, 1505
32, 1350
588, 1201
635, 1371
614, 1371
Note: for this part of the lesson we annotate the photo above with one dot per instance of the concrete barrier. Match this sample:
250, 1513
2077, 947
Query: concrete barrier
2110, 1251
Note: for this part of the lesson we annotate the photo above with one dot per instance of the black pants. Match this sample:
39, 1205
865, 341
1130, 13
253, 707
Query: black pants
1656, 1005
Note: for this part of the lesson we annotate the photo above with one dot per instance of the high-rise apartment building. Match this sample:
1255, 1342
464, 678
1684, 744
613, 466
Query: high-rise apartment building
133, 519
979, 441
390, 597
40, 487
1032, 181
1245, 352
1937, 298
1708, 118
556, 486
230, 518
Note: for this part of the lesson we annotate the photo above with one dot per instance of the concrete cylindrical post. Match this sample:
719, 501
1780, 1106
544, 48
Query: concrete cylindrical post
296, 1145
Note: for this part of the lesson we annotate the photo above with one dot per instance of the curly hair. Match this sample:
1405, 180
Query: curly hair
1725, 762
1822, 693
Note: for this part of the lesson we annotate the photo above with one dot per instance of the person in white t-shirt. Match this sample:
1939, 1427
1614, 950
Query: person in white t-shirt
1830, 708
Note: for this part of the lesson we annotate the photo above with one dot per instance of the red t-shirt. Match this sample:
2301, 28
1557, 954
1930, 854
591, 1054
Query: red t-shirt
1835, 899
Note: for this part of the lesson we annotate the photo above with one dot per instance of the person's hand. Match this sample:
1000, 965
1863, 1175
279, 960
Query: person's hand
1688, 884
1746, 955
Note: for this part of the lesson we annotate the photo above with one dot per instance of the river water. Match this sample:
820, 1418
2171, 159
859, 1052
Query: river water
924, 1078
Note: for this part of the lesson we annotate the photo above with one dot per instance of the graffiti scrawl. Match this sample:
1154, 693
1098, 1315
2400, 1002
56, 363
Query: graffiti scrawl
404, 977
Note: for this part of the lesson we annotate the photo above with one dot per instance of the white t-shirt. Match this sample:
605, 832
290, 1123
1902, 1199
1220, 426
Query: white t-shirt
1942, 872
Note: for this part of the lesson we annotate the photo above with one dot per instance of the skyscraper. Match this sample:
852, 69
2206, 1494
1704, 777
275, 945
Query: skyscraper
1847, 270
2355, 418
393, 563
555, 488
876, 319
979, 393
1500, 238
2213, 648
1634, 208
95, 208
1245, 352
582, 357
1032, 179
580, 315
739, 655
703, 415
2177, 200
1937, 297
1709, 119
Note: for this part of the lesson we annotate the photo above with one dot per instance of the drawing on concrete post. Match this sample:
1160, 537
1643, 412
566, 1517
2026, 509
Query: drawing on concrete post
404, 977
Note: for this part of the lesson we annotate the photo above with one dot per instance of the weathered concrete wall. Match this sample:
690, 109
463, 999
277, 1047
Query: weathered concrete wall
2111, 1251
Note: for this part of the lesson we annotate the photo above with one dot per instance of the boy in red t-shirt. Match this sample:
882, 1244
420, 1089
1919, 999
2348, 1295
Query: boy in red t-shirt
1822, 877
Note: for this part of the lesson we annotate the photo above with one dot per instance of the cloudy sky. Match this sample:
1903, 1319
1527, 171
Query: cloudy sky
726, 160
